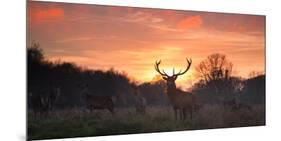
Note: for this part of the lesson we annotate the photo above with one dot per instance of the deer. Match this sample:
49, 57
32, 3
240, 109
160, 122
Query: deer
181, 101
97, 102
235, 105
42, 102
140, 101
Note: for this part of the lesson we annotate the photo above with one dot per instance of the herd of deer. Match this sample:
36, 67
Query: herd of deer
182, 102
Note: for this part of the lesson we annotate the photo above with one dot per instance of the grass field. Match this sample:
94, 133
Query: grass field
79, 123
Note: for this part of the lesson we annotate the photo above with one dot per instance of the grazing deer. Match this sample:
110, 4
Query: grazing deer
97, 102
140, 101
235, 105
180, 100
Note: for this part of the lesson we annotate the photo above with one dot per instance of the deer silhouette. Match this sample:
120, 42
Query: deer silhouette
42, 101
181, 101
140, 101
95, 102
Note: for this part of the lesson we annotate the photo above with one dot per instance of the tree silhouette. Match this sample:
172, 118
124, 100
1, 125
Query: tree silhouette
34, 53
215, 71
44, 75
214, 67
254, 90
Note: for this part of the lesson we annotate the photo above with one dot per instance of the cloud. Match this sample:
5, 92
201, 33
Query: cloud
74, 39
156, 20
103, 37
37, 15
190, 22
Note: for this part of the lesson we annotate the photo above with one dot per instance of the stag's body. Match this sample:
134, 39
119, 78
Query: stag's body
181, 101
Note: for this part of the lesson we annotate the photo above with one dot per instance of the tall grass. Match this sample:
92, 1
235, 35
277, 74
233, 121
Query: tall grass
79, 123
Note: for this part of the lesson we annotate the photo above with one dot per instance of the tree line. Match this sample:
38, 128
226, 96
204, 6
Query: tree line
215, 81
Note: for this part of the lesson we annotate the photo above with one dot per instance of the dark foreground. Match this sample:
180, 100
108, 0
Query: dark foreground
79, 123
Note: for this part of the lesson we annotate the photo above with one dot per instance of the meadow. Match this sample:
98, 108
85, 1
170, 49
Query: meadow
78, 122
59, 93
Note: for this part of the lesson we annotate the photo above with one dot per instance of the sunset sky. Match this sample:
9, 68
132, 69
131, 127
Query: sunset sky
132, 39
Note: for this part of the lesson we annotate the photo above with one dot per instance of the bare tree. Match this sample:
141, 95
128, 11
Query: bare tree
215, 71
214, 67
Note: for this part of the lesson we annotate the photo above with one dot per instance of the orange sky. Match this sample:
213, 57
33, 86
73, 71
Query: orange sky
131, 39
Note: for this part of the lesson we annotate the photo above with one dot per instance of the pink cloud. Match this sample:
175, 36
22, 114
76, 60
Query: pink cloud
190, 22
38, 14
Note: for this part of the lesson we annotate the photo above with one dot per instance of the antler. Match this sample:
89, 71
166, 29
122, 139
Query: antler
163, 73
189, 61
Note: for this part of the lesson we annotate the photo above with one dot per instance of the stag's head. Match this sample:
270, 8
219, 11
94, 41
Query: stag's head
171, 79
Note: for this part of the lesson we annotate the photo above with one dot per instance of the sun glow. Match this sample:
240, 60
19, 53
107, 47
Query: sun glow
104, 41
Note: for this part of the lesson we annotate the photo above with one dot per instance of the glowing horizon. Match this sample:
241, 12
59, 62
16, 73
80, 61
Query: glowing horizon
132, 39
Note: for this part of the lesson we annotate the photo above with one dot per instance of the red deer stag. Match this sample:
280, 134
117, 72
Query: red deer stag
180, 100
97, 102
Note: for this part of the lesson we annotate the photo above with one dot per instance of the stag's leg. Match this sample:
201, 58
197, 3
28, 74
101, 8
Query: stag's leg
110, 106
184, 113
175, 111
191, 113
181, 114
91, 108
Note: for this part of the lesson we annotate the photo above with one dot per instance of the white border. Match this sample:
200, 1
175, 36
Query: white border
13, 79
